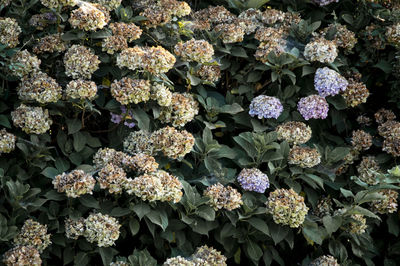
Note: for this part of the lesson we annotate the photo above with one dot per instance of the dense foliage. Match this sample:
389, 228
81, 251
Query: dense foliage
145, 132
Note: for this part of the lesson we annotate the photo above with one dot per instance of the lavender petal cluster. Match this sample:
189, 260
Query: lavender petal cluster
253, 180
328, 82
264, 106
126, 116
313, 106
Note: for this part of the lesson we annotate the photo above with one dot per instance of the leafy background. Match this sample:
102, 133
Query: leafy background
227, 140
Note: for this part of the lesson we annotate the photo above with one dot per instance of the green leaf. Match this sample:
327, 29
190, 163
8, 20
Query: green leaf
79, 141
4, 121
61, 164
107, 254
50, 172
338, 102
81, 259
254, 250
256, 3
118, 212
312, 232
206, 212
332, 223
259, 224
74, 125
278, 232
89, 201
385, 66
142, 258
346, 193
141, 209
142, 118
159, 218
134, 226
239, 52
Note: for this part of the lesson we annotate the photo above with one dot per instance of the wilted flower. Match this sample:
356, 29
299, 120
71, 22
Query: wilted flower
325, 260
7, 141
367, 170
272, 16
172, 187
33, 234
74, 228
355, 94
147, 187
160, 93
9, 32
120, 263
113, 178
361, 140
139, 142
230, 33
89, 17
102, 229
304, 157
195, 50
223, 197
178, 261
389, 202
38, 86
80, 62
321, 50
138, 162
324, 2
131, 58
32, 120
172, 142
277, 46
114, 44
253, 180
205, 255
58, 3
50, 44
287, 207
182, 110
249, 20
363, 120
391, 145
129, 90
110, 4
324, 207
81, 89
383, 115
27, 63
358, 225
264, 106
343, 37
22, 255
393, 34
75, 183
313, 106
328, 82
294, 132
41, 21
158, 60
129, 31
209, 73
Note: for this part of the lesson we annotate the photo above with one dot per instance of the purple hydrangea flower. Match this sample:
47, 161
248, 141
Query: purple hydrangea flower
126, 116
253, 180
264, 106
116, 118
313, 106
329, 82
324, 2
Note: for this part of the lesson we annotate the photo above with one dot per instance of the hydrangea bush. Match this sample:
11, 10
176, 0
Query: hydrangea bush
171, 132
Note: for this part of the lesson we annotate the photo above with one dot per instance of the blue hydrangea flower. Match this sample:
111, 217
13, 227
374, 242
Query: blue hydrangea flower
264, 106
313, 106
329, 82
253, 180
